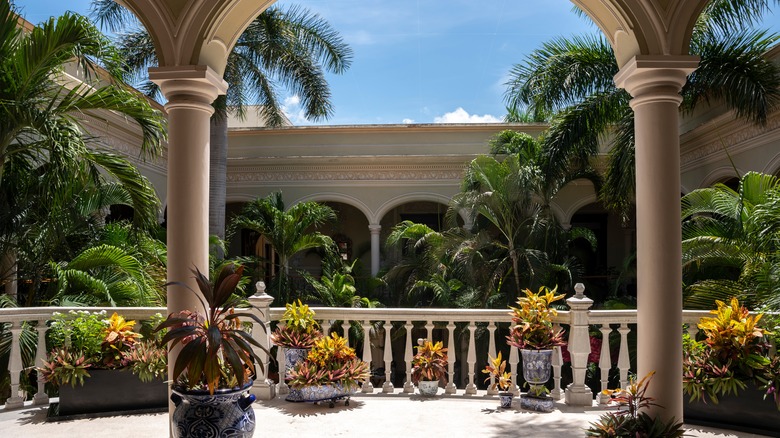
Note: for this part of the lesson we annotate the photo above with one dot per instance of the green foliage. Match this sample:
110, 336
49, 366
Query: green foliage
533, 321
628, 421
216, 351
430, 362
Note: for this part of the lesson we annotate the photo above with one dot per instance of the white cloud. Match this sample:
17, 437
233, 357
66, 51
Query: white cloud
291, 107
407, 121
461, 116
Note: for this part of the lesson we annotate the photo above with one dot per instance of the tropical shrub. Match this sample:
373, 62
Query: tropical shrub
430, 362
330, 361
628, 421
532, 318
734, 351
300, 329
496, 369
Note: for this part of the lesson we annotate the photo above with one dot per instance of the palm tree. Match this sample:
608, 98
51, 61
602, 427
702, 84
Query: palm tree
573, 78
45, 151
288, 231
731, 243
292, 48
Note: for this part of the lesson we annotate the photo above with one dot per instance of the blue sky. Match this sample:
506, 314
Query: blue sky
420, 61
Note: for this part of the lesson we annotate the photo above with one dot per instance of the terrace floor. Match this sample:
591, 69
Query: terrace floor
373, 415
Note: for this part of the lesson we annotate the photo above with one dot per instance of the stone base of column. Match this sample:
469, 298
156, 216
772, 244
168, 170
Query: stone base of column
282, 388
368, 388
14, 403
581, 396
471, 389
492, 391
408, 388
603, 399
40, 399
450, 388
557, 394
388, 387
265, 390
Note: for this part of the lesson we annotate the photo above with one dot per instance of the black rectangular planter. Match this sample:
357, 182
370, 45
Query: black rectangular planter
112, 391
746, 412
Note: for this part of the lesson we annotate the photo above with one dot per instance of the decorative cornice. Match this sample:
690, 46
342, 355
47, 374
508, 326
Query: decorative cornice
709, 141
346, 173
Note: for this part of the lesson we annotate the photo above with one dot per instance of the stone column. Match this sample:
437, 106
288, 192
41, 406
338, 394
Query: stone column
655, 83
263, 388
374, 229
190, 90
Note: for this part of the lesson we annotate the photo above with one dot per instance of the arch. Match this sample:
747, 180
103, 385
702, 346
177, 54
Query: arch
565, 215
339, 197
406, 198
651, 27
773, 166
720, 174
240, 197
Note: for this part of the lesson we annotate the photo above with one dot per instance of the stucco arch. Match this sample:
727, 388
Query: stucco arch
719, 175
773, 166
406, 198
652, 27
339, 197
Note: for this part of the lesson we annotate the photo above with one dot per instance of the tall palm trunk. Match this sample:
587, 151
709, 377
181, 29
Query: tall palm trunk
8, 269
217, 176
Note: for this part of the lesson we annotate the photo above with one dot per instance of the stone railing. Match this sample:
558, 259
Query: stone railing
387, 337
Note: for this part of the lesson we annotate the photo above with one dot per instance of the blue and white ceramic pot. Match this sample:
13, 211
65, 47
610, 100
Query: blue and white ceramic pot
505, 398
537, 365
291, 358
225, 414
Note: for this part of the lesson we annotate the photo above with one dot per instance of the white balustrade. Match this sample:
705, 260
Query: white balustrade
578, 320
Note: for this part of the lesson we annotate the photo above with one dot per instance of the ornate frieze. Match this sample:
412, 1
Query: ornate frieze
346, 173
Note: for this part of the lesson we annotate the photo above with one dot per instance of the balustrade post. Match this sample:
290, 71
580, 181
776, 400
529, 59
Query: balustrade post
345, 328
281, 359
263, 388
577, 393
451, 387
514, 363
624, 361
15, 368
408, 385
40, 397
605, 363
471, 388
368, 387
492, 390
387, 387
557, 362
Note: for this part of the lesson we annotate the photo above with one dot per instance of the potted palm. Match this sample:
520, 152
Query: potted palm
331, 371
533, 333
212, 373
296, 334
429, 366
502, 380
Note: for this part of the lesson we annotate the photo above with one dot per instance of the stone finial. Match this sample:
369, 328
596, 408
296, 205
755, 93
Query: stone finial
260, 288
579, 288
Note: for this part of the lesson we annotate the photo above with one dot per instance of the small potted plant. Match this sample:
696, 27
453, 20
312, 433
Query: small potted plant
429, 366
533, 333
95, 356
628, 421
730, 376
212, 373
331, 371
502, 380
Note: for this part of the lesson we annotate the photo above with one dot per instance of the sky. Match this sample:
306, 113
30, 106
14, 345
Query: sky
420, 61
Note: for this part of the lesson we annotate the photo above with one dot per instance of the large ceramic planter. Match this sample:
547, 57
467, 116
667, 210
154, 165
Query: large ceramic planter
428, 388
292, 356
112, 391
225, 414
747, 412
537, 366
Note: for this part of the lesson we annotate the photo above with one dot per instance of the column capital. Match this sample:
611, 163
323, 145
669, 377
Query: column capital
655, 78
192, 86
374, 228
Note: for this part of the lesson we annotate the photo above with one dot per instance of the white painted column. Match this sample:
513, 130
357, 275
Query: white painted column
374, 229
655, 83
190, 90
